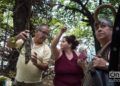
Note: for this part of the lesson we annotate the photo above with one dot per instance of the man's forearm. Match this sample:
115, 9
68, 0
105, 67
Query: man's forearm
42, 66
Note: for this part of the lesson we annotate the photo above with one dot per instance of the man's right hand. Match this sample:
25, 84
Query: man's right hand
12, 40
23, 35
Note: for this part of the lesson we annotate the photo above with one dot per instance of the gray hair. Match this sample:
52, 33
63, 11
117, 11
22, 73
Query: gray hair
39, 27
105, 21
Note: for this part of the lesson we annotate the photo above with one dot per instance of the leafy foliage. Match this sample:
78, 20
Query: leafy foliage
6, 20
115, 2
73, 14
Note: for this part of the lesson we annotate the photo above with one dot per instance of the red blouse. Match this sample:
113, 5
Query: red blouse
68, 72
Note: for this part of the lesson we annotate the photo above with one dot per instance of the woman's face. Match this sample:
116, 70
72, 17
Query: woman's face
103, 32
64, 44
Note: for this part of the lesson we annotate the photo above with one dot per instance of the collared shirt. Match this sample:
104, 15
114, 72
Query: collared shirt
29, 73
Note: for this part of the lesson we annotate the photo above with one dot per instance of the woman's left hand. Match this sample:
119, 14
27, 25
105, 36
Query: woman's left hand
81, 63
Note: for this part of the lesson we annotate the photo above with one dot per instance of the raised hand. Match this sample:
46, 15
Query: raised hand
64, 29
23, 35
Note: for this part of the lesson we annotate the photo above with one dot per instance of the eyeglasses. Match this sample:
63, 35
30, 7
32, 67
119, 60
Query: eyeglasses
45, 33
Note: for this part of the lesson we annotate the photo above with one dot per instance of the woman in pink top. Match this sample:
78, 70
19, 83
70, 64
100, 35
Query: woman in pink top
67, 70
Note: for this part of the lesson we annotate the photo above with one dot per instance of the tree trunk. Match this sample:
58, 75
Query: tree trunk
88, 14
21, 15
91, 22
115, 45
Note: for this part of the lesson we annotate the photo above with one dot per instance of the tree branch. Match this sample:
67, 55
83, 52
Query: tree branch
83, 6
76, 10
71, 8
86, 2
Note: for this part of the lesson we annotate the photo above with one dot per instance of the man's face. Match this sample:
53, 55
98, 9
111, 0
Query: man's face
42, 34
103, 32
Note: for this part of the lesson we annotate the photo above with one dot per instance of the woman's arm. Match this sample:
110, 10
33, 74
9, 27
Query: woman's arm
55, 51
81, 61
